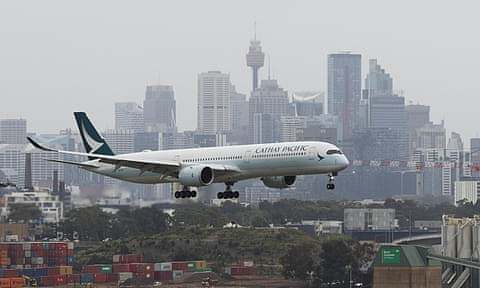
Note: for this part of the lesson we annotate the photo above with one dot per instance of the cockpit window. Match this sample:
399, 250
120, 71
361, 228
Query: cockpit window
334, 151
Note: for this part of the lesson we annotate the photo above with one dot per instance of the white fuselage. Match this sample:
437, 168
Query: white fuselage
248, 161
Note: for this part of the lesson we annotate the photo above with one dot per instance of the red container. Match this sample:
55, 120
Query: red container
100, 277
163, 275
180, 266
118, 268
73, 278
51, 271
60, 280
48, 281
242, 271
9, 273
112, 277
141, 267
144, 275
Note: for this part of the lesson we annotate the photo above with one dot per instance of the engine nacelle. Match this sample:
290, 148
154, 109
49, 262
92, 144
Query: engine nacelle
196, 175
279, 181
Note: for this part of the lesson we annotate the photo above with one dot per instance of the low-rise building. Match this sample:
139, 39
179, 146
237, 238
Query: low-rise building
50, 205
361, 219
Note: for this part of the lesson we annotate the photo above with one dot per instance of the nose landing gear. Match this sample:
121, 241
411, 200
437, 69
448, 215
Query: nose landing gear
331, 179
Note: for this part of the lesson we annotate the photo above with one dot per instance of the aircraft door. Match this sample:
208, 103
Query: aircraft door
247, 156
311, 152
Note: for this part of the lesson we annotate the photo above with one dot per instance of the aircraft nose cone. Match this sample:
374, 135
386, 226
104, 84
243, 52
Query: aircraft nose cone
344, 162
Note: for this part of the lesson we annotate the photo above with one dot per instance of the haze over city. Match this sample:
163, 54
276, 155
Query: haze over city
58, 57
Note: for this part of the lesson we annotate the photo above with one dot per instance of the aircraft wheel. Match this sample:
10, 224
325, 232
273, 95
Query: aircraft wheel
236, 194
330, 186
189, 194
193, 193
177, 194
183, 194
220, 195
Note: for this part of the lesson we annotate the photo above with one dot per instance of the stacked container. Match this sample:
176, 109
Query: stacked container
19, 255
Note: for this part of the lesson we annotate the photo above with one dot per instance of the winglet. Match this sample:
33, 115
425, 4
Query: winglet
38, 146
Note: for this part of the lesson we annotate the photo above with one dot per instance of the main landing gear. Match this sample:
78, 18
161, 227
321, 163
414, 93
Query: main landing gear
186, 193
331, 179
228, 193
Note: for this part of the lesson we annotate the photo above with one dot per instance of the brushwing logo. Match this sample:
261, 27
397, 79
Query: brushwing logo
320, 157
94, 145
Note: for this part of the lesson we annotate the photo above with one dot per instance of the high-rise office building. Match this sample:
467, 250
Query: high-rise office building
121, 141
475, 155
159, 109
255, 60
431, 136
13, 131
455, 143
238, 109
214, 102
378, 82
344, 90
129, 116
267, 104
417, 117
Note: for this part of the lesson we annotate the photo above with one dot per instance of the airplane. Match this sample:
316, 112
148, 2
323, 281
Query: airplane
276, 164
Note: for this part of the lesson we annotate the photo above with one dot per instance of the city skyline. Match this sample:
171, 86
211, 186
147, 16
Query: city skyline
98, 62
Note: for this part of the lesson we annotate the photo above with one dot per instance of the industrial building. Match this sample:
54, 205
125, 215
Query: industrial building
405, 266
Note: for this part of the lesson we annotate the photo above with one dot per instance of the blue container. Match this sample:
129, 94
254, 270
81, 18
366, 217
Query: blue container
1, 273
86, 278
30, 272
70, 260
40, 272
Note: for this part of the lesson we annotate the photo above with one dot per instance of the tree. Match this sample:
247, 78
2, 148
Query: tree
24, 213
298, 263
91, 223
336, 255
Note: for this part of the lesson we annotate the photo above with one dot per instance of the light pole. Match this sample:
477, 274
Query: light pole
349, 268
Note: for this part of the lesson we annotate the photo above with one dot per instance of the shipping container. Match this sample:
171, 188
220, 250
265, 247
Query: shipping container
177, 274
17, 282
182, 266
141, 267
118, 268
163, 276
4, 282
86, 278
165, 266
242, 271
123, 276
73, 278
100, 277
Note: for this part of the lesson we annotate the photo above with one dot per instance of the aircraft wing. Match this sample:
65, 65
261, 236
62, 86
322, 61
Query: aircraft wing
163, 167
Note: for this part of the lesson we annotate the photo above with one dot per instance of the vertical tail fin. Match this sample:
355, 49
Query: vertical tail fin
92, 140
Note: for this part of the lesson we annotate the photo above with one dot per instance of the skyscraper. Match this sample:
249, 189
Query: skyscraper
417, 117
255, 59
378, 82
214, 102
267, 104
13, 131
129, 116
238, 109
344, 90
159, 108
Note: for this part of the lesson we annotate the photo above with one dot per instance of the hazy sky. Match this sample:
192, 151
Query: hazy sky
57, 57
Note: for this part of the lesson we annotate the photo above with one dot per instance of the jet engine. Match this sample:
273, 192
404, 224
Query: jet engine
279, 181
196, 175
